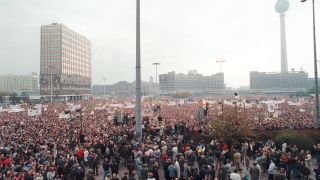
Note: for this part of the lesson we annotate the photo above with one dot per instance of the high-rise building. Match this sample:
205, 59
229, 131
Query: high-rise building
66, 59
13, 83
192, 82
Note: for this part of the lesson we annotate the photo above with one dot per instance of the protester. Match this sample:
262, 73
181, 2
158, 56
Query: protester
48, 145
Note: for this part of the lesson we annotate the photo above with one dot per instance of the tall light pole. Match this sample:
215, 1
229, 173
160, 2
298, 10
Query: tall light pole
138, 77
220, 63
50, 67
156, 64
104, 87
317, 115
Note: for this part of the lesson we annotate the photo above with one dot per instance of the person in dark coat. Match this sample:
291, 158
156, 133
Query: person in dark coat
255, 171
144, 172
114, 168
90, 175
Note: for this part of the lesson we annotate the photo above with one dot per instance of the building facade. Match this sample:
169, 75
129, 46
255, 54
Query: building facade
125, 89
293, 81
15, 83
192, 82
66, 59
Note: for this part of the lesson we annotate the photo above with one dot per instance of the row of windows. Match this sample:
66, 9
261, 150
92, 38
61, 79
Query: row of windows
69, 41
78, 52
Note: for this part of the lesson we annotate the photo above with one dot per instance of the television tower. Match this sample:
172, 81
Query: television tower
281, 7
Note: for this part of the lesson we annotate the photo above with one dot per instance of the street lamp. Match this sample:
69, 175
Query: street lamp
156, 64
220, 63
104, 87
138, 76
50, 67
79, 111
221, 103
70, 119
317, 116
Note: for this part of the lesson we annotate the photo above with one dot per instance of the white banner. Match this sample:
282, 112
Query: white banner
292, 103
34, 112
64, 116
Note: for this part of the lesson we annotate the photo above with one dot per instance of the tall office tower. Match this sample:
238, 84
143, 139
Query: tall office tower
281, 7
66, 60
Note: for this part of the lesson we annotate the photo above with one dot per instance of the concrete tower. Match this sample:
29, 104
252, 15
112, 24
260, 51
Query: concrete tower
281, 7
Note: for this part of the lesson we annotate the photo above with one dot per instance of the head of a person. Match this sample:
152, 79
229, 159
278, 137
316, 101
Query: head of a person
255, 163
133, 173
235, 171
150, 174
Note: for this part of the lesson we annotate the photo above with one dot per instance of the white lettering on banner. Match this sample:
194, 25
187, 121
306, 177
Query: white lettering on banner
34, 112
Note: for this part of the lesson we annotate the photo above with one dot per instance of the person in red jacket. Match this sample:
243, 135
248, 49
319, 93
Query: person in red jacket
7, 161
80, 154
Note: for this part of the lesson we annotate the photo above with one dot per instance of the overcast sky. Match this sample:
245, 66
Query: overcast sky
180, 34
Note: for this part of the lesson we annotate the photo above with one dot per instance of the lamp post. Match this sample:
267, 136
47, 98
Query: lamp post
79, 111
221, 103
138, 76
235, 108
317, 115
104, 87
50, 67
70, 119
220, 64
156, 64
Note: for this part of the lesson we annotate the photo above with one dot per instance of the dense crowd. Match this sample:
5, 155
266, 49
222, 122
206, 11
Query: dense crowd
49, 147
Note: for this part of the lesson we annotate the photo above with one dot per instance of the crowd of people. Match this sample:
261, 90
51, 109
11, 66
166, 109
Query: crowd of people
47, 146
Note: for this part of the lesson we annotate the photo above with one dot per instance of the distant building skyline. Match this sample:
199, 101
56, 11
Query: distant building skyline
67, 55
193, 82
289, 82
125, 89
244, 33
12, 83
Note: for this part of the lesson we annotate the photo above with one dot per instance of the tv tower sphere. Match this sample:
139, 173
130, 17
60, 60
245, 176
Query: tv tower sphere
282, 6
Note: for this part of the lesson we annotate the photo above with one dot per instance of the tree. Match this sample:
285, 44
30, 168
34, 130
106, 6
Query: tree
301, 94
312, 90
232, 125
